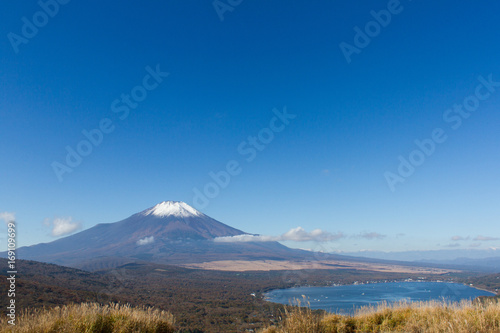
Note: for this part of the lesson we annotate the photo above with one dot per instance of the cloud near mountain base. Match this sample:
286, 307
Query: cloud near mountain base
296, 235
145, 240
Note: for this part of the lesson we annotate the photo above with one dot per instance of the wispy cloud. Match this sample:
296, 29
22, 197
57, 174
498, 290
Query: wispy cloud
145, 240
453, 245
296, 235
371, 235
486, 238
7, 217
62, 226
459, 238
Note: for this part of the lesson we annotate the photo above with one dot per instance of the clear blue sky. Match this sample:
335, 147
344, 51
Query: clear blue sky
325, 170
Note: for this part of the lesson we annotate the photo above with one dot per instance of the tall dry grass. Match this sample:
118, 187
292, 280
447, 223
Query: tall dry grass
92, 318
414, 317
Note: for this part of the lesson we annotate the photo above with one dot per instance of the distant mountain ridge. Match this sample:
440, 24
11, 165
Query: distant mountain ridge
174, 233
170, 232
485, 260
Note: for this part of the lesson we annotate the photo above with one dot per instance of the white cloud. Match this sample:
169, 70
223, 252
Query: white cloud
296, 234
485, 238
62, 226
145, 240
7, 217
317, 235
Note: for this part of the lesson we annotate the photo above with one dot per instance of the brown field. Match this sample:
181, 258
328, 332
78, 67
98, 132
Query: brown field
272, 265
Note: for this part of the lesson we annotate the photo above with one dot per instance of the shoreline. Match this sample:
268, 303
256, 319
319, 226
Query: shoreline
483, 289
391, 281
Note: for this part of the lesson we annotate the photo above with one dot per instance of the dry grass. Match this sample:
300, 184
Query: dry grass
431, 317
92, 318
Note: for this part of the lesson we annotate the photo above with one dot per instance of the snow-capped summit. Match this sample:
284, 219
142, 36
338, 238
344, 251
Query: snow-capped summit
172, 208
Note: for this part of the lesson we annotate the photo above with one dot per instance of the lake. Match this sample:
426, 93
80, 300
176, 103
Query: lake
344, 299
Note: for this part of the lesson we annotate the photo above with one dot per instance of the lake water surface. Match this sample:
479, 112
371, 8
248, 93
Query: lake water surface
345, 299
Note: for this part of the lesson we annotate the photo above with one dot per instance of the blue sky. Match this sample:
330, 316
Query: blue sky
326, 169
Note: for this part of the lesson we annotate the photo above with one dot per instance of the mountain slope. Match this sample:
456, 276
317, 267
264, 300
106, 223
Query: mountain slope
170, 232
174, 233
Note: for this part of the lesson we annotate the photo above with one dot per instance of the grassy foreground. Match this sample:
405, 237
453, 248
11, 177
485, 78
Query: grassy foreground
415, 317
92, 318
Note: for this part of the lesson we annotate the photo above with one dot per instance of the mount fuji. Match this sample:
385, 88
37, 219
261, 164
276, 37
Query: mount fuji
172, 232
